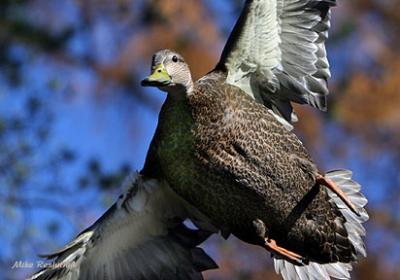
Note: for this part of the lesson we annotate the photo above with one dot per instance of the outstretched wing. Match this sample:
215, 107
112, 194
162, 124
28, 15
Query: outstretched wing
276, 53
142, 236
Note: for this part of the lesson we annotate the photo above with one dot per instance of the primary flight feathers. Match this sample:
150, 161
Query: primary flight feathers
141, 237
276, 53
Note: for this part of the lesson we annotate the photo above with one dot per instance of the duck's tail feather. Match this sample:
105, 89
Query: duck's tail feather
353, 225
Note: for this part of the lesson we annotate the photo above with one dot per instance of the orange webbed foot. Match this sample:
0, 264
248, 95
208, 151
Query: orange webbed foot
270, 245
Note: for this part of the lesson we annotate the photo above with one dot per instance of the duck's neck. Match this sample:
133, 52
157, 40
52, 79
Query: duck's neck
181, 92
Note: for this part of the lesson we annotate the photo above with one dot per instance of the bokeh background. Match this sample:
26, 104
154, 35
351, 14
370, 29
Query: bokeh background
74, 120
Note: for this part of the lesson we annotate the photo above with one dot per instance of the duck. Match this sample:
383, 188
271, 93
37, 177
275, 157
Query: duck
225, 157
225, 144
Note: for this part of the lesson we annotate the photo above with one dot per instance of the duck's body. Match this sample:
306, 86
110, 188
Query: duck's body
228, 156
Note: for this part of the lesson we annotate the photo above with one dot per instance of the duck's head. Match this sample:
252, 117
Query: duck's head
169, 72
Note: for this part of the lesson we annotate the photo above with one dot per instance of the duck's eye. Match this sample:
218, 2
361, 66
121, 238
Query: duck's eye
175, 58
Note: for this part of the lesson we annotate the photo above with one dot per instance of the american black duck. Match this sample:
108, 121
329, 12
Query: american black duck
224, 144
223, 156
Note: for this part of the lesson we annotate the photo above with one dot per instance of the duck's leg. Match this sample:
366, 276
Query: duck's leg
333, 187
270, 245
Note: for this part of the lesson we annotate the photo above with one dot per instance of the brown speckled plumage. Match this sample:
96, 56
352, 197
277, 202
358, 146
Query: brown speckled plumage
228, 156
